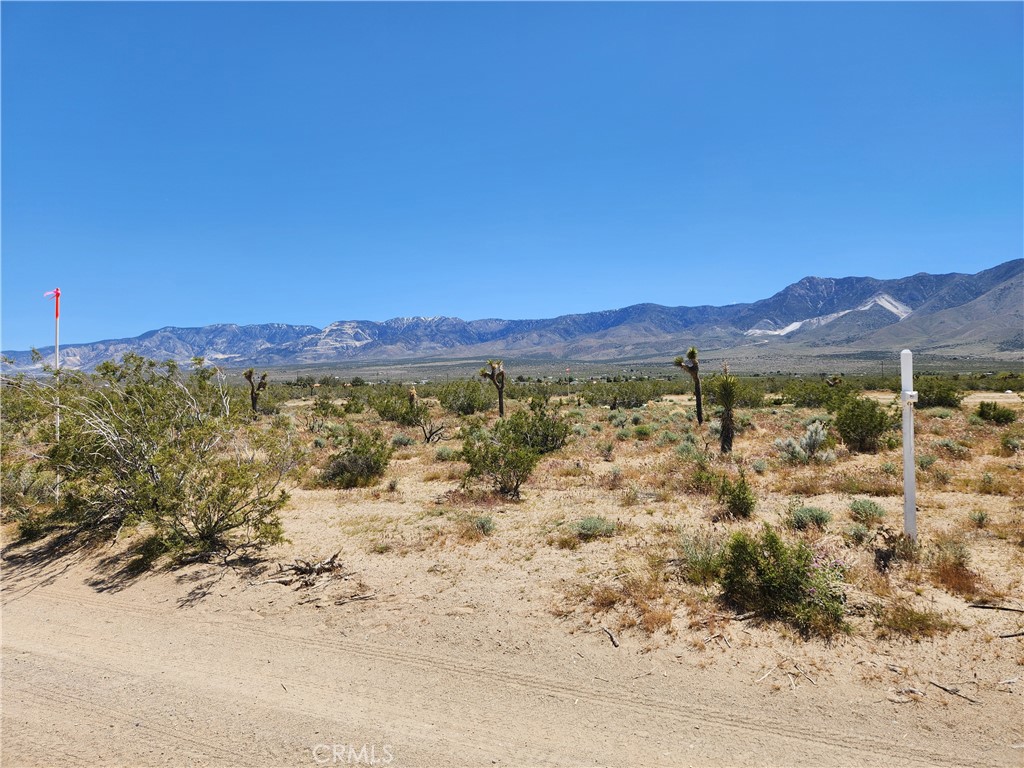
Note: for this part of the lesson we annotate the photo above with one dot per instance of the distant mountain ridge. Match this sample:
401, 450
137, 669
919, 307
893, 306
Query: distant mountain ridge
983, 313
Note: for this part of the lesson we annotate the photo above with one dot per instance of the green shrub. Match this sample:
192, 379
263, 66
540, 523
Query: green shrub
866, 511
814, 393
143, 441
642, 432
996, 413
803, 518
858, 533
933, 391
485, 525
784, 581
590, 528
861, 423
392, 403
903, 619
954, 449
737, 496
500, 456
700, 558
362, 462
401, 441
538, 429
466, 397
444, 453
810, 448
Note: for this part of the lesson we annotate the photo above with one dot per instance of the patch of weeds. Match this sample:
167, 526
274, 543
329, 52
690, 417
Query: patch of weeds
476, 528
401, 441
642, 432
949, 565
996, 413
668, 438
803, 518
979, 518
738, 497
889, 468
590, 528
903, 620
700, 558
444, 453
759, 466
925, 460
866, 511
895, 547
784, 581
630, 497
953, 449
858, 533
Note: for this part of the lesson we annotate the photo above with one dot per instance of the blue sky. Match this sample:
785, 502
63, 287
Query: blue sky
194, 163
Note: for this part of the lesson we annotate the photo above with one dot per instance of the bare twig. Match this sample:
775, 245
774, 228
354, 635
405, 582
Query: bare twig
611, 636
803, 673
1014, 634
954, 691
354, 598
762, 677
995, 607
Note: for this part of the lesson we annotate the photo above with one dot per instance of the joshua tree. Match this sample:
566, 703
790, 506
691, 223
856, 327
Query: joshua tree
496, 373
725, 388
692, 367
255, 388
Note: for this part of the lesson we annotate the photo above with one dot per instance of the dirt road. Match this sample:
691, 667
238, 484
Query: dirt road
145, 674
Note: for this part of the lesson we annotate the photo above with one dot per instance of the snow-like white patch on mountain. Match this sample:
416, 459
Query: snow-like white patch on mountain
883, 300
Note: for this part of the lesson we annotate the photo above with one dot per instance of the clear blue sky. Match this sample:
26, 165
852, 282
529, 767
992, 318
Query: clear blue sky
194, 163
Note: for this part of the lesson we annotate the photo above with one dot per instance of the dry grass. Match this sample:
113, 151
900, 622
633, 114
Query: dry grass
653, 488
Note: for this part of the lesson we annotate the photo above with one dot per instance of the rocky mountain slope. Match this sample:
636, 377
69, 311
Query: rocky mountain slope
952, 314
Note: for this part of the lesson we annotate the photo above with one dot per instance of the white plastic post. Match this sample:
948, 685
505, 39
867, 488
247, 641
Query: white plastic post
907, 399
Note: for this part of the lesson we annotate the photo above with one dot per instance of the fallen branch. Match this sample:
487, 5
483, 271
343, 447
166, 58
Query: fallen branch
803, 673
762, 677
954, 691
1014, 634
354, 598
995, 607
611, 636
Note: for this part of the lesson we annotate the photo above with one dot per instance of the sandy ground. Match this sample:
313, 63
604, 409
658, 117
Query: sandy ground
439, 651
210, 667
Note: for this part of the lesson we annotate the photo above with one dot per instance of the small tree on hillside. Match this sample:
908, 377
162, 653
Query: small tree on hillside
691, 365
725, 388
496, 373
255, 388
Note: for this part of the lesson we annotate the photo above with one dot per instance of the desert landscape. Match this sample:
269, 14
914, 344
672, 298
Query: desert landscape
427, 619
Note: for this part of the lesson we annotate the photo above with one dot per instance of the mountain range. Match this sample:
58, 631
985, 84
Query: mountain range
951, 314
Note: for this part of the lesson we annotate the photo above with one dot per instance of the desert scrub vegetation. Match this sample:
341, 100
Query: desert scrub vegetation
810, 447
861, 422
866, 512
362, 461
464, 398
997, 414
571, 535
785, 581
803, 518
147, 443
